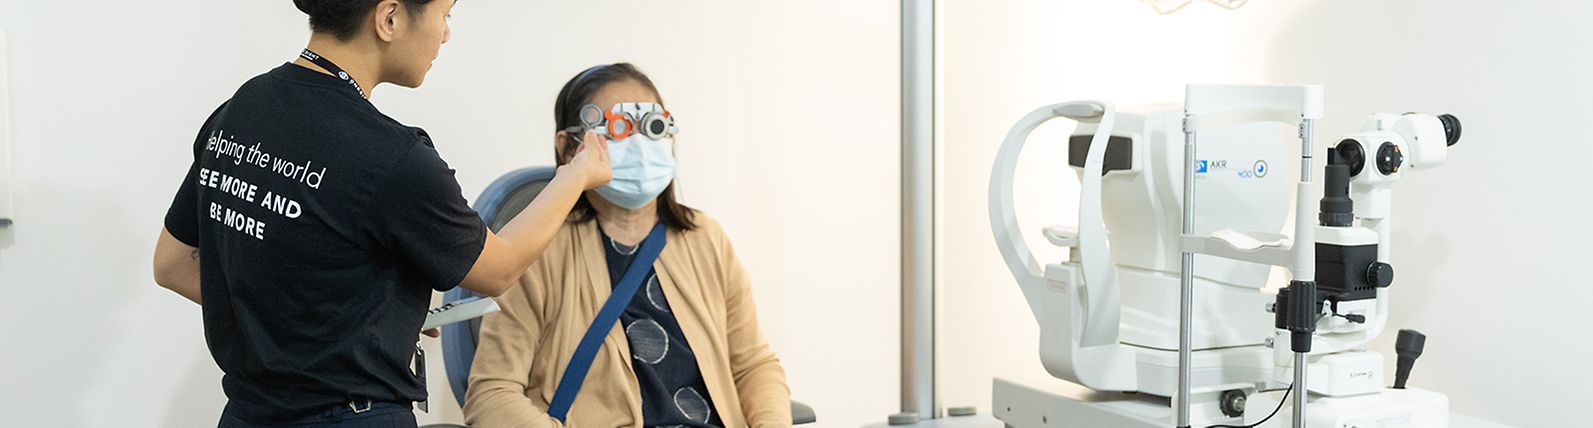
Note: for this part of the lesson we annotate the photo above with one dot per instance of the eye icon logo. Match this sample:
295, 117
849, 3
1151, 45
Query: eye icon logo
1261, 168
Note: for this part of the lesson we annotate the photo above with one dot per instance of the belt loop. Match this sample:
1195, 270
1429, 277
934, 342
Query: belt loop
355, 406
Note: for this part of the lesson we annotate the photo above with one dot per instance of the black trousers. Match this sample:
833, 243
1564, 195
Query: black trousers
380, 415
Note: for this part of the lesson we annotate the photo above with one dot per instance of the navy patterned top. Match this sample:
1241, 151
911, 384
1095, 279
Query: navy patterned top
672, 388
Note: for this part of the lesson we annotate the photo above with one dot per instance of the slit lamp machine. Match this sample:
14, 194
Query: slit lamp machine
1160, 312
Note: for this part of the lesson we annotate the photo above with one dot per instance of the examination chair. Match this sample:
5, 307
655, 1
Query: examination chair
502, 200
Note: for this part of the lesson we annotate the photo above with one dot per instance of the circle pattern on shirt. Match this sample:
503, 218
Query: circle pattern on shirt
692, 405
655, 294
649, 342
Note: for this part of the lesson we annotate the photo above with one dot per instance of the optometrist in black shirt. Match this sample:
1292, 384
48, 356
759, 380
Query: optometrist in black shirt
313, 229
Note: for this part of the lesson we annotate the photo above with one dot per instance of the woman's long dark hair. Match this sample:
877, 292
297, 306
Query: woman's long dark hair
567, 113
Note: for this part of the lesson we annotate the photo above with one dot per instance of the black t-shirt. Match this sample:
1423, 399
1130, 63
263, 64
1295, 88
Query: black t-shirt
323, 226
672, 388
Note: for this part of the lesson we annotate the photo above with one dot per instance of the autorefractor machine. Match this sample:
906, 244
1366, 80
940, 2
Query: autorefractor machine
1160, 309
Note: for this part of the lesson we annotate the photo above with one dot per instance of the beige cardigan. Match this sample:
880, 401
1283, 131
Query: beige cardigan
524, 349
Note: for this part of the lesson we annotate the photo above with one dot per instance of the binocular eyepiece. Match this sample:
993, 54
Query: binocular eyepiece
1451, 128
1392, 142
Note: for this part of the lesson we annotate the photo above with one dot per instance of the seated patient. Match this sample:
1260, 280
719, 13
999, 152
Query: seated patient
686, 352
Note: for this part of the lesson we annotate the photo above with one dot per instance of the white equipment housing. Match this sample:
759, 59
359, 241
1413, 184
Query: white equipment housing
1109, 316
1130, 347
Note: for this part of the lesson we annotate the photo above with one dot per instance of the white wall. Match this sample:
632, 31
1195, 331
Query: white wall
788, 111
1485, 247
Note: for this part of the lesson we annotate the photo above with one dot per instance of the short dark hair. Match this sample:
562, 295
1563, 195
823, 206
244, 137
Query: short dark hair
567, 113
342, 18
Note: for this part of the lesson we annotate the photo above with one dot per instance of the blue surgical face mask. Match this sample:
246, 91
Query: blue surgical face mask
642, 167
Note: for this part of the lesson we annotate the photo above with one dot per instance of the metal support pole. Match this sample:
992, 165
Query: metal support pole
1187, 281
1305, 270
1299, 389
1306, 138
918, 208
7, 207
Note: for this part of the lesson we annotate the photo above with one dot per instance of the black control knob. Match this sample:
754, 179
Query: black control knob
1389, 159
1380, 274
1233, 403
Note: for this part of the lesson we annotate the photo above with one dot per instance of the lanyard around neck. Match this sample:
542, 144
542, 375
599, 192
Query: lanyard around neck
327, 65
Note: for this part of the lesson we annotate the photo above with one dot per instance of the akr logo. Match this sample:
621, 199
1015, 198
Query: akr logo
1201, 166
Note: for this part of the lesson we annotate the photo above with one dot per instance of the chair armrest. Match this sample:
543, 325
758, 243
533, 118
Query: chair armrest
802, 414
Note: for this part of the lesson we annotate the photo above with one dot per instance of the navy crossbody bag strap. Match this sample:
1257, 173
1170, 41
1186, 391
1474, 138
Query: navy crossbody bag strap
581, 361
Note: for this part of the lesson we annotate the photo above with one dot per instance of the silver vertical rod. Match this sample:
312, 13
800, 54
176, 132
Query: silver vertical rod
918, 208
1299, 389
1306, 137
1187, 281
